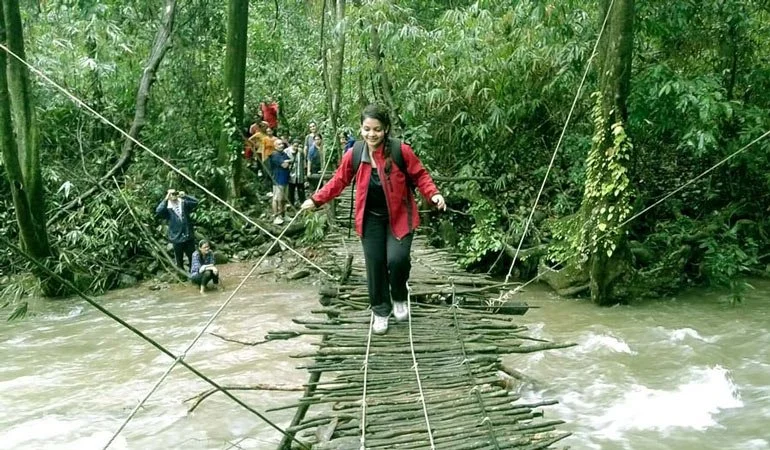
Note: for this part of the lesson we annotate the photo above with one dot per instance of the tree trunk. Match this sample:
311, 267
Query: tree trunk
21, 155
382, 76
606, 200
235, 80
159, 48
336, 78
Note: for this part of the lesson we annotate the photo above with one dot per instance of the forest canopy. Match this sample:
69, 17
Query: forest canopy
481, 89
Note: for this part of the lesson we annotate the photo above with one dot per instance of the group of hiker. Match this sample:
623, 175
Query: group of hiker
284, 162
386, 173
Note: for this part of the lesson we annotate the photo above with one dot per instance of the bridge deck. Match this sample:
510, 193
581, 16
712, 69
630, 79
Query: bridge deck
454, 389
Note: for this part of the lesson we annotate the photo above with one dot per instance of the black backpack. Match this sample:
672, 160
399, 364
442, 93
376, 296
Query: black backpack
395, 155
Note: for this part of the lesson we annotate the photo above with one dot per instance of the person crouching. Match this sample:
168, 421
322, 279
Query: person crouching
203, 269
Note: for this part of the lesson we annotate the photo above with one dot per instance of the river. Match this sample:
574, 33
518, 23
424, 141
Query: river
690, 372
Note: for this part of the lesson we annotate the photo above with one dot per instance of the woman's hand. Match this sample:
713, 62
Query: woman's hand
438, 200
307, 205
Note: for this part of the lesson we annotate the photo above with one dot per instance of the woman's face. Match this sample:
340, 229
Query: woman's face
205, 249
318, 141
373, 132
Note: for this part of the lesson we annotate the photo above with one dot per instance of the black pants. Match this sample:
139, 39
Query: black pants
181, 249
387, 263
299, 190
202, 279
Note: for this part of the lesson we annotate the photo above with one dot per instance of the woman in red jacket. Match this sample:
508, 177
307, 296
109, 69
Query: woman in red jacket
386, 213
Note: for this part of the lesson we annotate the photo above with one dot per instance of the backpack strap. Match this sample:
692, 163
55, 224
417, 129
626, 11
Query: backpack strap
394, 145
398, 158
358, 154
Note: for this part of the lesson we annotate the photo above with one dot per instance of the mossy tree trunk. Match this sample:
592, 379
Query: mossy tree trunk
231, 140
19, 145
332, 76
606, 198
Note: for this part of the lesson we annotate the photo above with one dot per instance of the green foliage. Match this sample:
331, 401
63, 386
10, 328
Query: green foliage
315, 228
598, 226
720, 254
483, 89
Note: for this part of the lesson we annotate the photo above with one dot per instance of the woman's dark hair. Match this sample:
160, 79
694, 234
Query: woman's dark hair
378, 112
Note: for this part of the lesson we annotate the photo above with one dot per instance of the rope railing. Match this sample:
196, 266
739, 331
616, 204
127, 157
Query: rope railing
416, 369
558, 143
171, 166
365, 368
139, 333
197, 337
177, 359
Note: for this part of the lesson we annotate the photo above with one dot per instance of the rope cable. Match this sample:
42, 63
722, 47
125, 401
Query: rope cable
366, 373
659, 201
486, 420
558, 143
106, 121
198, 336
143, 336
416, 370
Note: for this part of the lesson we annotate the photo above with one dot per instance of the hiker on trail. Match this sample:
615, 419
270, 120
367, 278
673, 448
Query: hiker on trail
176, 208
297, 174
203, 269
263, 144
313, 128
386, 213
315, 155
270, 112
346, 141
279, 166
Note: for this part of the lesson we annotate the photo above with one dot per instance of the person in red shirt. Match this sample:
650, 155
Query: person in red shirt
270, 113
386, 213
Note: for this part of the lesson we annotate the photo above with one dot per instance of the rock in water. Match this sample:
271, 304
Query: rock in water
298, 274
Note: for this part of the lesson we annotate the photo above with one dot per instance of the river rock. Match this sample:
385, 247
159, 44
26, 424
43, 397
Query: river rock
125, 280
346, 443
221, 258
265, 248
298, 274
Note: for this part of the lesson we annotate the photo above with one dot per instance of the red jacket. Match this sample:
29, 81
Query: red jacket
270, 114
402, 209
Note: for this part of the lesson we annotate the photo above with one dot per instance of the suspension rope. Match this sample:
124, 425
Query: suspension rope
365, 368
82, 104
198, 336
558, 143
146, 338
416, 370
210, 321
475, 388
659, 201
479, 399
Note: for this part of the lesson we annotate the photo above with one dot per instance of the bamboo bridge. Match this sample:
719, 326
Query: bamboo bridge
436, 381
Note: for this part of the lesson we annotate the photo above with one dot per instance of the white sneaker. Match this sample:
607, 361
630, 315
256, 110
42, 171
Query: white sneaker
278, 220
400, 311
380, 325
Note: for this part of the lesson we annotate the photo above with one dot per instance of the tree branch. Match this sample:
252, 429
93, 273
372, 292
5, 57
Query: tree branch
160, 47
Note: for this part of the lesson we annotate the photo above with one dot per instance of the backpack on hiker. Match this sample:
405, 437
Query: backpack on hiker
394, 145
